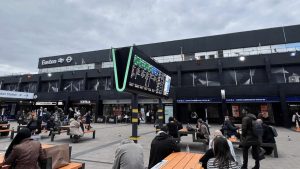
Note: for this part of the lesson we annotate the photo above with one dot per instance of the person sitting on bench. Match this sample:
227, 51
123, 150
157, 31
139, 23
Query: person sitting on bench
51, 126
23, 152
202, 130
34, 125
172, 128
268, 137
229, 129
210, 152
75, 129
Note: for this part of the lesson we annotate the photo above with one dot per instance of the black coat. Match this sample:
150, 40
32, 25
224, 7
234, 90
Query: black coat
248, 137
173, 129
268, 136
161, 146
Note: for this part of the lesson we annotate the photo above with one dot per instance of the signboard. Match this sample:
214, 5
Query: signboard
16, 95
135, 72
235, 111
264, 110
45, 103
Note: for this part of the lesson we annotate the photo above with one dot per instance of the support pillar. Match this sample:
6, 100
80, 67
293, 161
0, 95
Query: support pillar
134, 117
160, 112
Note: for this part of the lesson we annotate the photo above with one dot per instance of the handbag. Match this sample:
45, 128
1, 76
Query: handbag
60, 155
274, 131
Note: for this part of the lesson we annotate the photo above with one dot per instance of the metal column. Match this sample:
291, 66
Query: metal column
134, 117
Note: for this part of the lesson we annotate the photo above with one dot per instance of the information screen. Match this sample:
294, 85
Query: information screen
146, 77
135, 72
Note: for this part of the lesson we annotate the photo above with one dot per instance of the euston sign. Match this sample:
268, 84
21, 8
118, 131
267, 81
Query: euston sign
137, 73
54, 61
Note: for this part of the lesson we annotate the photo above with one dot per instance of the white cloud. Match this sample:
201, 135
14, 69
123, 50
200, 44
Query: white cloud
32, 29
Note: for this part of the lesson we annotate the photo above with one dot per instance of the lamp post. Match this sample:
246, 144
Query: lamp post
224, 107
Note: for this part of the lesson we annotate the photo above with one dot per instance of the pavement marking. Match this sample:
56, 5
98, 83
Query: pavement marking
93, 161
103, 146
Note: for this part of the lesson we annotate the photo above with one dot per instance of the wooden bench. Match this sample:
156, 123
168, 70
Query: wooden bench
4, 128
235, 141
182, 160
66, 129
61, 129
185, 132
74, 165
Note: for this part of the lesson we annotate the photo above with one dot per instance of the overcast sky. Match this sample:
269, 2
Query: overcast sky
33, 28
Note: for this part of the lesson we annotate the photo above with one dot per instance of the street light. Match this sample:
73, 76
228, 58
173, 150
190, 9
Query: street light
242, 58
49, 74
293, 54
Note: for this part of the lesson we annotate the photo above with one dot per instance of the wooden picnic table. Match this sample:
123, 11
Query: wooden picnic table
182, 160
184, 132
5, 125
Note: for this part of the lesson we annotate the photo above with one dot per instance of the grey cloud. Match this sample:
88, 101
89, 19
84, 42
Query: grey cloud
32, 29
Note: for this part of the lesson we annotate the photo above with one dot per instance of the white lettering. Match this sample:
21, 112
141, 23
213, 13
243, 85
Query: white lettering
49, 62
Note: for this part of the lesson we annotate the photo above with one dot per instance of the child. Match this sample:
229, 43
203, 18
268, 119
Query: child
88, 119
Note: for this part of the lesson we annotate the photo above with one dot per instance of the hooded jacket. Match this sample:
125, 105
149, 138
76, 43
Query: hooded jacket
129, 156
162, 146
248, 137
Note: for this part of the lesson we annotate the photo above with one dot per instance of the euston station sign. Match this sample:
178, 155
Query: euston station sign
55, 61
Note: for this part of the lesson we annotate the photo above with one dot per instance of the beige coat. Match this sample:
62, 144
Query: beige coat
75, 128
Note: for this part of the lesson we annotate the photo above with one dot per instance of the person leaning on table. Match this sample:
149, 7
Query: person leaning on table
162, 146
23, 152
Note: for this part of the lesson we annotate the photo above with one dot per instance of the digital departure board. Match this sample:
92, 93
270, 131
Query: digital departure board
135, 72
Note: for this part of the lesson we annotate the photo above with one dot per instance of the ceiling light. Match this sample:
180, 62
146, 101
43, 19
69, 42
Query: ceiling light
242, 58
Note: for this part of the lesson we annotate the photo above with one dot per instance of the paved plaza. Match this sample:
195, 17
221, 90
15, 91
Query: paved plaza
99, 153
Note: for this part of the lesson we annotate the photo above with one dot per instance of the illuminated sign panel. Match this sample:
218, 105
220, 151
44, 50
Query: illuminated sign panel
135, 72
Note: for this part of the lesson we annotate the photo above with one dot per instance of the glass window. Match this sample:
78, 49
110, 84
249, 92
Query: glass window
229, 77
50, 86
74, 85
278, 75
213, 78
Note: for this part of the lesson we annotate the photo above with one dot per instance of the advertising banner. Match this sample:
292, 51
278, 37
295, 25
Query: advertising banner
16, 95
235, 111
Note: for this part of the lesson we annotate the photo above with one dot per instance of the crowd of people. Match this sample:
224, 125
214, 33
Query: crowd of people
220, 154
41, 118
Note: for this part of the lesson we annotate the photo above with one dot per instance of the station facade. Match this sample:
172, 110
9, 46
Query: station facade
257, 70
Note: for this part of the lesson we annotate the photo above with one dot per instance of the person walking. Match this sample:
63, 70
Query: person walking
23, 152
129, 156
162, 146
249, 139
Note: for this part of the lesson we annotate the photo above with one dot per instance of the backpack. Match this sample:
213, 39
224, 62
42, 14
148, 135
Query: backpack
257, 129
274, 131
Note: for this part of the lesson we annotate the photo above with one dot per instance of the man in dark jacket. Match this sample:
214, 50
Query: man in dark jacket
162, 146
172, 128
249, 140
229, 128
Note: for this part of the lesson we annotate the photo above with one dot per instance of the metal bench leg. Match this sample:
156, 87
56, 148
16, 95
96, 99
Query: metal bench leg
94, 134
12, 134
275, 151
83, 166
52, 137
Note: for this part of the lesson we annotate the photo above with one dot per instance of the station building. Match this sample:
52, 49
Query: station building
257, 70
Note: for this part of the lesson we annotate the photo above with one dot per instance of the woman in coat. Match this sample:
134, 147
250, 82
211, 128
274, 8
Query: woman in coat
23, 152
75, 129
